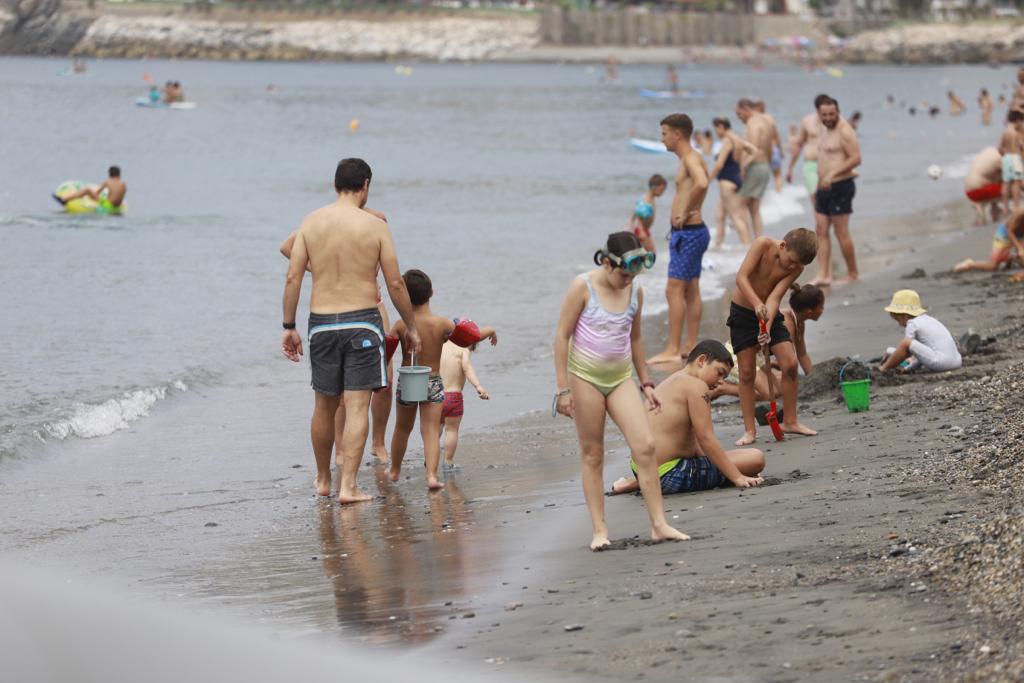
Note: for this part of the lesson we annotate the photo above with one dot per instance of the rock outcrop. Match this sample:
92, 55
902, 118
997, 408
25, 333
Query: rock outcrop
937, 44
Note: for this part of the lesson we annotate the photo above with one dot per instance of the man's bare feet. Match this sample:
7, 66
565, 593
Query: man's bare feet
623, 485
848, 280
600, 541
355, 496
668, 533
665, 356
381, 454
747, 439
323, 484
797, 428
433, 484
821, 282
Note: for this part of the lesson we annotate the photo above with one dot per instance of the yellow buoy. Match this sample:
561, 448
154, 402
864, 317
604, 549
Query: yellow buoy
353, 125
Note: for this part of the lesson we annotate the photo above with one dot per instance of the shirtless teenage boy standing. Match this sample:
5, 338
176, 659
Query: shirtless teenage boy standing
344, 247
768, 271
690, 239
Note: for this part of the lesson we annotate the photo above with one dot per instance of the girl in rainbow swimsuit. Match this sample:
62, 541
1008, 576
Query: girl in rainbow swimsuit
597, 347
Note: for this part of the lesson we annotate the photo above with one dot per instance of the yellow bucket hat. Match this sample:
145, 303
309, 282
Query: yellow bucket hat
906, 301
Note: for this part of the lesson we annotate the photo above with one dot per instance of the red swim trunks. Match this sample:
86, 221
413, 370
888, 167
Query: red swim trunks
986, 193
453, 406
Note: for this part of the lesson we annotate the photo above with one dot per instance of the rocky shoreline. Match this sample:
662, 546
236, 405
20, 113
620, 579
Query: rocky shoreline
979, 43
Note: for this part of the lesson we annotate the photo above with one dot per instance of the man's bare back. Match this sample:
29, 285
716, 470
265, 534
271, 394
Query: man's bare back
344, 246
833, 153
760, 133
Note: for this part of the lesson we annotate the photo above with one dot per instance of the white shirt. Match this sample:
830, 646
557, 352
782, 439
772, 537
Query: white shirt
939, 352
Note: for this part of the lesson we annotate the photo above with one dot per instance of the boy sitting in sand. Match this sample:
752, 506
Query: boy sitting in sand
434, 332
927, 343
456, 368
689, 456
769, 269
597, 348
643, 212
1006, 241
805, 303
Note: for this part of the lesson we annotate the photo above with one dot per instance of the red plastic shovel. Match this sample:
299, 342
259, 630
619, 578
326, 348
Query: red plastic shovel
772, 415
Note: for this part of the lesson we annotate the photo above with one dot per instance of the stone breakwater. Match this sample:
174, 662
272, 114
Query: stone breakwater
438, 38
937, 44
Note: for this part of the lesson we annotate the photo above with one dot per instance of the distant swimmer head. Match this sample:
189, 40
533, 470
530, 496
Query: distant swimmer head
710, 361
722, 126
657, 184
801, 244
114, 171
419, 286
808, 300
624, 254
352, 177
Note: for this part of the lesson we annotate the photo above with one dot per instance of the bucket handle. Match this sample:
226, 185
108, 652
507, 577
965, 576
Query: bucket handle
867, 368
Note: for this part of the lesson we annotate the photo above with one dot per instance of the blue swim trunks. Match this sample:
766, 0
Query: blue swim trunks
686, 250
686, 475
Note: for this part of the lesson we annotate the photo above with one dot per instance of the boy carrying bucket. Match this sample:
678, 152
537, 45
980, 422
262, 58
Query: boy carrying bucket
434, 332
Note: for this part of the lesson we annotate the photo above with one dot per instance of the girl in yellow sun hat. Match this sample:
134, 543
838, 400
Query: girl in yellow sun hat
927, 342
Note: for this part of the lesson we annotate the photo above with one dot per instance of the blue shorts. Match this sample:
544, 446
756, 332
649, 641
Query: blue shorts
692, 474
686, 250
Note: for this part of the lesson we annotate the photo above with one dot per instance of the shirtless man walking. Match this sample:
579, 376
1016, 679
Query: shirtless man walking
690, 239
344, 246
757, 174
838, 156
807, 142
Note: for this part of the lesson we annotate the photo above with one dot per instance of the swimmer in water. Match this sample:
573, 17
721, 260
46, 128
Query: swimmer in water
113, 186
643, 213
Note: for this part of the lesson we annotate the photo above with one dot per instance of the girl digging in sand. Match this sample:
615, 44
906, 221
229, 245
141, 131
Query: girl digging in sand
597, 346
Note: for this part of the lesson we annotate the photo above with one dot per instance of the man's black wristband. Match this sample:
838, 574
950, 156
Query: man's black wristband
288, 326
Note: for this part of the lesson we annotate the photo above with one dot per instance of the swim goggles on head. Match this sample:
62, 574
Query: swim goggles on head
632, 261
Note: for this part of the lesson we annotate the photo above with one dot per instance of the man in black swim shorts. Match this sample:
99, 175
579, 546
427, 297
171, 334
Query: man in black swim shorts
344, 246
838, 157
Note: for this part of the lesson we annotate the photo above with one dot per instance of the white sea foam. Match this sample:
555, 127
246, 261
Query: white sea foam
957, 169
88, 421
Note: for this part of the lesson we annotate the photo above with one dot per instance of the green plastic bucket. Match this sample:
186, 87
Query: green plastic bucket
857, 392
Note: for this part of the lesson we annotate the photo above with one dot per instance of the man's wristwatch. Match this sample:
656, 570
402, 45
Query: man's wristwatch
288, 326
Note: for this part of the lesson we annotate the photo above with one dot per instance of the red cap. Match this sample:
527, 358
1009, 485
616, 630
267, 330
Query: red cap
465, 334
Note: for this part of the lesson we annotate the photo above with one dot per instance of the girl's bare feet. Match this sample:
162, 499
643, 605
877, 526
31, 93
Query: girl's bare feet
600, 541
747, 439
381, 454
433, 484
668, 533
394, 473
623, 485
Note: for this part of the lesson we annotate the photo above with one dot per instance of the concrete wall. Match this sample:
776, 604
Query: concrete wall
631, 27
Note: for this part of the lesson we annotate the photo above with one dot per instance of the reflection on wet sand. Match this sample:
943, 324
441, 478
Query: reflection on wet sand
392, 569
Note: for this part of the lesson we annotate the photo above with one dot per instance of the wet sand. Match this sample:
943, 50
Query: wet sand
815, 577
832, 571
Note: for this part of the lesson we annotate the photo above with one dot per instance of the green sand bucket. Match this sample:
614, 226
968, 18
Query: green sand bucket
856, 392
413, 381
